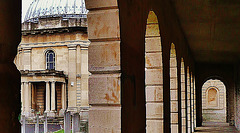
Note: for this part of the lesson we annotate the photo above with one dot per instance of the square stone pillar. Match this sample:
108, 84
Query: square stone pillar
23, 127
104, 65
37, 124
45, 123
75, 123
47, 104
67, 122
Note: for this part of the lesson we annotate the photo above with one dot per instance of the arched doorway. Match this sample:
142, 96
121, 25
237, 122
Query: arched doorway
153, 76
214, 105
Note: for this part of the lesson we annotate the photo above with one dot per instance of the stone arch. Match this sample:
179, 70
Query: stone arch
173, 90
153, 76
214, 101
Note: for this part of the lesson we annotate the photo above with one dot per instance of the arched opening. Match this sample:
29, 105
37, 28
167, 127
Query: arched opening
154, 76
173, 90
188, 101
214, 103
183, 97
50, 60
192, 103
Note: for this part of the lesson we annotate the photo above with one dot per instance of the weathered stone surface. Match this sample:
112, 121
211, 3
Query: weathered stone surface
174, 117
154, 93
154, 126
93, 4
153, 59
104, 56
152, 30
154, 110
104, 89
154, 76
105, 119
173, 83
153, 44
103, 24
174, 106
174, 94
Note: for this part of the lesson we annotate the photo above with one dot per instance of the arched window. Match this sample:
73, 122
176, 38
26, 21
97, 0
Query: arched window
50, 60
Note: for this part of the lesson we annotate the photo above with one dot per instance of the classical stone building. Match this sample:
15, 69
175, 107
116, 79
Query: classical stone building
53, 58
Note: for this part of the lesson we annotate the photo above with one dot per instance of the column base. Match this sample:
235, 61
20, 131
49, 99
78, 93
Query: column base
61, 112
52, 113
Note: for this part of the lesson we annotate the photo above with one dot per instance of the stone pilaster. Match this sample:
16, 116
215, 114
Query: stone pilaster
72, 97
104, 64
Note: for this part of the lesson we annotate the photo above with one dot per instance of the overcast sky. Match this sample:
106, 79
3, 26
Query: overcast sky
25, 5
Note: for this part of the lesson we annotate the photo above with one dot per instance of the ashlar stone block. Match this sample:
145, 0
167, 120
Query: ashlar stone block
104, 56
104, 119
93, 4
103, 24
153, 59
153, 44
154, 110
155, 126
104, 89
154, 76
154, 93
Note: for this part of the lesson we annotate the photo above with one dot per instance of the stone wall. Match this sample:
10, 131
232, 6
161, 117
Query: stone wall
214, 101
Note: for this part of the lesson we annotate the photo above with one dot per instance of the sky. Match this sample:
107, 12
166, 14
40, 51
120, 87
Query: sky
25, 5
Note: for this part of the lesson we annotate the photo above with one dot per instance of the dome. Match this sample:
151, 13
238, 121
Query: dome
55, 8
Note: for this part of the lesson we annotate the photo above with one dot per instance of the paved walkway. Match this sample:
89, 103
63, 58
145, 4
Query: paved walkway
216, 127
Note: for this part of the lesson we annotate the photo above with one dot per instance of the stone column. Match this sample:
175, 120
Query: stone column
22, 98
27, 103
104, 64
63, 96
61, 112
30, 98
75, 123
47, 97
53, 97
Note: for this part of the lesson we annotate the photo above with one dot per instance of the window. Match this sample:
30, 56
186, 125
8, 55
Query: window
50, 60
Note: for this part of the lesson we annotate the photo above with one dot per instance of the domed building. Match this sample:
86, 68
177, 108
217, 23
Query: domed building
53, 59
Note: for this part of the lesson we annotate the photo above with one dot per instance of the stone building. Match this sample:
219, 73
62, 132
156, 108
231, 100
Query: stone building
53, 58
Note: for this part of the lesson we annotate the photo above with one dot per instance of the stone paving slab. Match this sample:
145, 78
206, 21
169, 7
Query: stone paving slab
216, 127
